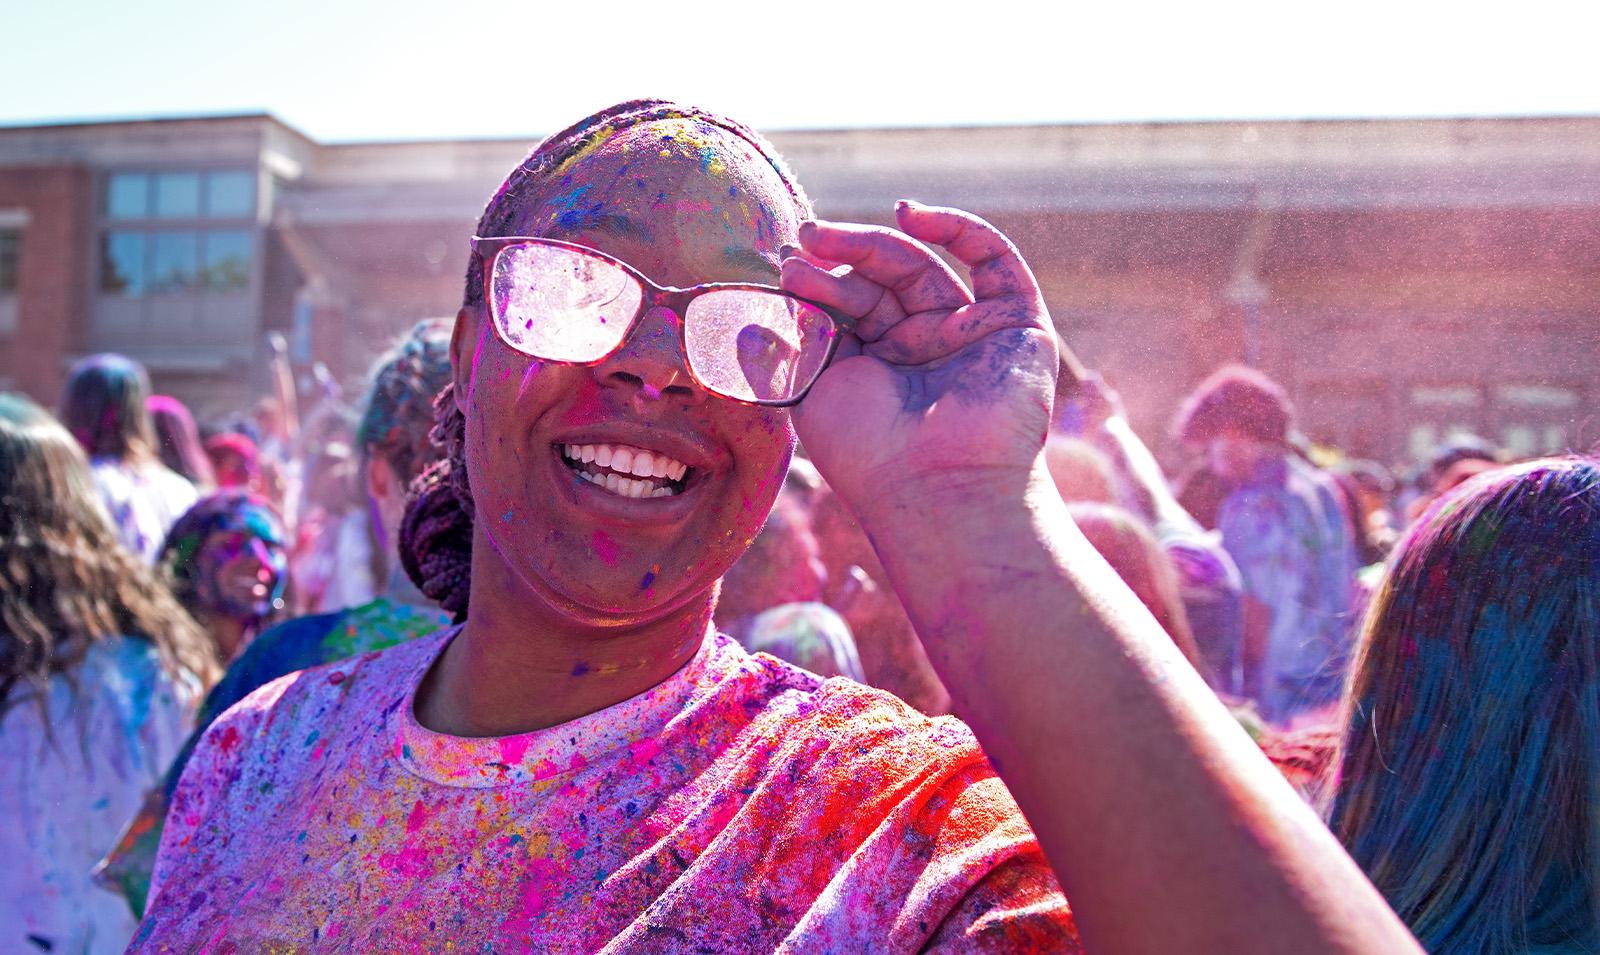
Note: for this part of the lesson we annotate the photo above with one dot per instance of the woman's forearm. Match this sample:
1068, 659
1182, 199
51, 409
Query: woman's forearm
1167, 828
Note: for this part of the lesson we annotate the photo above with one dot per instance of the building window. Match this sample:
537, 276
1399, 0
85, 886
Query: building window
127, 196
10, 275
172, 233
10, 260
177, 195
173, 262
230, 195
122, 263
226, 260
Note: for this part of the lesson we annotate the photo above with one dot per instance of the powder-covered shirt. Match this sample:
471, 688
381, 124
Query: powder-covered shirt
144, 500
741, 805
295, 644
66, 791
1287, 531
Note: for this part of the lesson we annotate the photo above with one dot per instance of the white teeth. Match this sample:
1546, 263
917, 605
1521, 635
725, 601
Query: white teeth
625, 459
626, 487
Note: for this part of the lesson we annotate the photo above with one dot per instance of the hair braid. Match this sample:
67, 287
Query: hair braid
436, 532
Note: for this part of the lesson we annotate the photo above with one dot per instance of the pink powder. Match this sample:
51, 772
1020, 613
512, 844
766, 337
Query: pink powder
605, 548
742, 805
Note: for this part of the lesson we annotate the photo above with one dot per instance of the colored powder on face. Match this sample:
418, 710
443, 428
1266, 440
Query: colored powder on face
605, 548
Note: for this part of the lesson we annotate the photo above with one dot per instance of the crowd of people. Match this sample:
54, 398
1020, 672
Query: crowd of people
725, 579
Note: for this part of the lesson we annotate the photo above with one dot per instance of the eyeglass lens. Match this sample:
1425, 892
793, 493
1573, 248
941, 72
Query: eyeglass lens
561, 304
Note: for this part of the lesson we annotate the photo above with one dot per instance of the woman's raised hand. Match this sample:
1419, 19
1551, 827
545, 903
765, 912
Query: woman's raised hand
942, 390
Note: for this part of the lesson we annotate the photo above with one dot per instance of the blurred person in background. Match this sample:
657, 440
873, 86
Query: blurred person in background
770, 600
99, 670
1081, 471
1284, 527
178, 441
103, 406
1372, 487
1103, 459
1137, 557
1421, 489
235, 462
395, 447
227, 563
1470, 763
857, 588
394, 429
332, 554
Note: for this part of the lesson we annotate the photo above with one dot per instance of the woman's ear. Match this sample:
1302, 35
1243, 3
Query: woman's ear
465, 340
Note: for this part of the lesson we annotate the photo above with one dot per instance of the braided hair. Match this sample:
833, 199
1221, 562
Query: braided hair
436, 534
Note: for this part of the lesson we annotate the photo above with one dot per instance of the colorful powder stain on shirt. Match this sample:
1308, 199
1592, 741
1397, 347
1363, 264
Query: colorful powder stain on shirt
741, 805
292, 645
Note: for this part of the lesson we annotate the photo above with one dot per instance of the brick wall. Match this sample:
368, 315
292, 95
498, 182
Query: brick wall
52, 290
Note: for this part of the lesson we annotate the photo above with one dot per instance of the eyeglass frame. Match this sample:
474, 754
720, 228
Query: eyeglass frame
673, 298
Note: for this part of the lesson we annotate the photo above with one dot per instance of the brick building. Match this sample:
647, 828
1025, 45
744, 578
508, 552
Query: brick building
1404, 279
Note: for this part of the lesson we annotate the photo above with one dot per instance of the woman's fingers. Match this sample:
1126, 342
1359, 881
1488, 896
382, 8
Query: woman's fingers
875, 308
997, 268
933, 335
917, 277
911, 308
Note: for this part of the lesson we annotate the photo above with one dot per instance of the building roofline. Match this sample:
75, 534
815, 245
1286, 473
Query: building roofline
817, 130
79, 123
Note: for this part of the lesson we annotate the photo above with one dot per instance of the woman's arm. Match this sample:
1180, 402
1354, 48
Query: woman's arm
1168, 829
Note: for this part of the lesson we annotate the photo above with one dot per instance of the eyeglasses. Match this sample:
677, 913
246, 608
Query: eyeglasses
564, 302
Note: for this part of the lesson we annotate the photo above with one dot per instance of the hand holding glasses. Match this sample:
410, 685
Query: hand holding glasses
564, 302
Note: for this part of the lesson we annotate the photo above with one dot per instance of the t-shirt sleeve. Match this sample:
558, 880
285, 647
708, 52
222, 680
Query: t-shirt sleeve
952, 865
1012, 901
212, 768
1016, 907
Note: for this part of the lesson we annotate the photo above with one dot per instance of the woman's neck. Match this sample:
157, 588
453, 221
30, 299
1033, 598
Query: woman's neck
519, 666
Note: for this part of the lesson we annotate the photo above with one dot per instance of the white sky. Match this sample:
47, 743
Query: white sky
365, 69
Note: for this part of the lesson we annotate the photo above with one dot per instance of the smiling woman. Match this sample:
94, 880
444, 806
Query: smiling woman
584, 763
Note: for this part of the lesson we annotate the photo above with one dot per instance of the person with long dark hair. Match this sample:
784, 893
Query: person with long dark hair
584, 763
1469, 770
178, 442
99, 670
103, 406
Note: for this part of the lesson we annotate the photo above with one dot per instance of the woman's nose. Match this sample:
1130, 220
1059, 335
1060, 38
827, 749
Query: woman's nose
651, 363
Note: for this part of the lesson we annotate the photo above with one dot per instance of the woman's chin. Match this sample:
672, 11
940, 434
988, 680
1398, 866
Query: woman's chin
617, 598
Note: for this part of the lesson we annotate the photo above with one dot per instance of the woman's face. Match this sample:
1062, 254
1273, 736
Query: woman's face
685, 203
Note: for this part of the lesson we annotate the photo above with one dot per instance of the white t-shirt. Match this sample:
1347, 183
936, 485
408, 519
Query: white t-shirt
66, 797
144, 501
